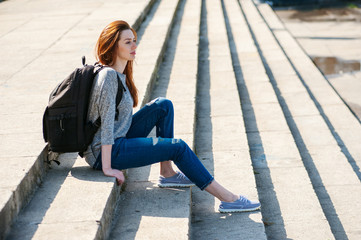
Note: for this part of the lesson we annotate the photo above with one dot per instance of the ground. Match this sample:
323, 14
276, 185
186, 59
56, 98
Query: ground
332, 38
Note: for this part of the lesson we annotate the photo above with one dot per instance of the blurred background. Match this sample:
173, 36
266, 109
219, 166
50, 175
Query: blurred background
329, 31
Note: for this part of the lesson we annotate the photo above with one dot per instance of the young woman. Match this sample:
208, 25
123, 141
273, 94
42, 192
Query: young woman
121, 141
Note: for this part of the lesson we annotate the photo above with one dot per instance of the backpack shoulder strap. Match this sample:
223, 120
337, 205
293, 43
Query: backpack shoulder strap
120, 91
119, 97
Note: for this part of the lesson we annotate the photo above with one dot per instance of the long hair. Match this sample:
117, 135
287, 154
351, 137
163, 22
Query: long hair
106, 48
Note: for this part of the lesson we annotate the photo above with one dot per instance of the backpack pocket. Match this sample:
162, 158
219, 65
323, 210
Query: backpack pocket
63, 124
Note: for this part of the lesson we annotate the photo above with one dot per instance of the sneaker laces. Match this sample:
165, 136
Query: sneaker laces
181, 176
243, 199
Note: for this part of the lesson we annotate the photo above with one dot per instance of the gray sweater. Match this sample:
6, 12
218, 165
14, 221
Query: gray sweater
102, 103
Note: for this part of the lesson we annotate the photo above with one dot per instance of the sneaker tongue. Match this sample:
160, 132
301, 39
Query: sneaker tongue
180, 175
244, 199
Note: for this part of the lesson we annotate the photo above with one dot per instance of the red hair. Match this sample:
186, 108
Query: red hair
106, 48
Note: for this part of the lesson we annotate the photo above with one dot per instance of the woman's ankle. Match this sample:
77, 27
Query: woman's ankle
220, 192
232, 198
167, 175
166, 169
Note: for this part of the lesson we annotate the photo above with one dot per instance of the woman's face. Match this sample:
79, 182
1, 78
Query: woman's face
126, 46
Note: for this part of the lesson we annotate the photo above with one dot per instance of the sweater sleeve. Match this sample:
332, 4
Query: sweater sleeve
107, 105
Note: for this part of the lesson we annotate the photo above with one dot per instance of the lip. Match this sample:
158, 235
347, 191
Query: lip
133, 53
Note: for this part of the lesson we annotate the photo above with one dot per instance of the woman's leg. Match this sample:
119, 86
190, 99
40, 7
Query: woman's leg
220, 192
138, 152
158, 113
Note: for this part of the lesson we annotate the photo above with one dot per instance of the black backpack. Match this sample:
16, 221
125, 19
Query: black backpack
65, 125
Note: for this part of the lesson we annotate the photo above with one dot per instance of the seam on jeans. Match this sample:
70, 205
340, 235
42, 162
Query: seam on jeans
207, 184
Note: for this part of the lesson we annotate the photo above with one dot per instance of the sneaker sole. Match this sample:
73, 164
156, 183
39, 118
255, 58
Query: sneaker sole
221, 210
169, 185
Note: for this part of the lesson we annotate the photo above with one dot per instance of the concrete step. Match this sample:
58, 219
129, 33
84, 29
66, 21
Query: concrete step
73, 202
151, 52
18, 194
336, 153
148, 212
290, 206
342, 123
29, 29
307, 107
247, 99
221, 141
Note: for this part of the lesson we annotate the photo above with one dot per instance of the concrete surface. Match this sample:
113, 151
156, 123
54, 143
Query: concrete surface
348, 85
322, 129
221, 137
147, 212
283, 182
47, 54
248, 99
72, 195
332, 33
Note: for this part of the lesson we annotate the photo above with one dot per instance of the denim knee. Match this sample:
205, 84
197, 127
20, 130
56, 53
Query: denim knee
165, 103
182, 147
191, 166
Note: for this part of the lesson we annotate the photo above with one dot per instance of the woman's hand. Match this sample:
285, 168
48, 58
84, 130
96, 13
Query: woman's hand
115, 173
106, 163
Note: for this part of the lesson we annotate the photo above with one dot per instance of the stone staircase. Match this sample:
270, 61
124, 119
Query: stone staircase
248, 100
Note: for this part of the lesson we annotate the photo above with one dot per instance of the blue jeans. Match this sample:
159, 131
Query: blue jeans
136, 150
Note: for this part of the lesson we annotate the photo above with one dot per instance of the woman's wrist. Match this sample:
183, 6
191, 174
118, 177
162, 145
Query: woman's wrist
106, 159
107, 170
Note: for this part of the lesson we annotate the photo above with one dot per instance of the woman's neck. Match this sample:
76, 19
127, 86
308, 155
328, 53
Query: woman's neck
119, 65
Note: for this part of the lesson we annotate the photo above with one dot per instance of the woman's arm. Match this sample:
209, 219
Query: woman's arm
106, 165
108, 84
